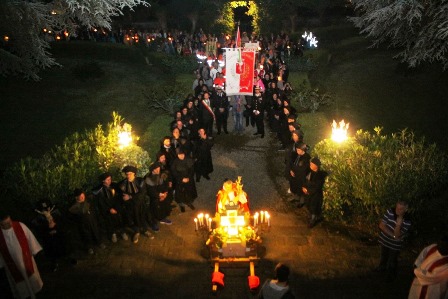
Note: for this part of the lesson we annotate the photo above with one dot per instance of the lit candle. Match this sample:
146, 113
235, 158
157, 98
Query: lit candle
201, 219
256, 219
195, 224
206, 217
261, 216
209, 223
268, 219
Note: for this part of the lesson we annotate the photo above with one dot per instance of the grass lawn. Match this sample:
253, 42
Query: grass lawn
372, 89
34, 116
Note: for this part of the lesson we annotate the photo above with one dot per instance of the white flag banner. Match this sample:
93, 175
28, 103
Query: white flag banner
239, 72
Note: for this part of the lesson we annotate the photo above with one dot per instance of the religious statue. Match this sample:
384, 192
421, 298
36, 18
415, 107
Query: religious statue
232, 196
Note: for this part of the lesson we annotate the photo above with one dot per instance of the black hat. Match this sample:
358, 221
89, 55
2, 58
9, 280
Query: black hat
316, 161
154, 165
129, 168
104, 176
301, 145
77, 192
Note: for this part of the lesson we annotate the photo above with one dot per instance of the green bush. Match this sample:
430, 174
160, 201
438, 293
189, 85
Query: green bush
371, 171
76, 163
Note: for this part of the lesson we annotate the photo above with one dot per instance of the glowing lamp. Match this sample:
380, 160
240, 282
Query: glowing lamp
66, 34
53, 12
58, 37
339, 132
124, 136
45, 29
6, 38
95, 30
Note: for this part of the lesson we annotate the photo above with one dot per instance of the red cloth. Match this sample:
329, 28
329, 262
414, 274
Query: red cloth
20, 234
254, 282
218, 278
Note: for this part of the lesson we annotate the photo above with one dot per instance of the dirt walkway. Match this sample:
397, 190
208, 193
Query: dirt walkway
325, 262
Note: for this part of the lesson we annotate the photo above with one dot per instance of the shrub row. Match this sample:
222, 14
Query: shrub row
371, 171
74, 164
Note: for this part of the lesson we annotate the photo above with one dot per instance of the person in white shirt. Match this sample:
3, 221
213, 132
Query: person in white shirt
18, 246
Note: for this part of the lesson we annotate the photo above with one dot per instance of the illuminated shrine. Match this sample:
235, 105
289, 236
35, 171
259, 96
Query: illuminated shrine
233, 235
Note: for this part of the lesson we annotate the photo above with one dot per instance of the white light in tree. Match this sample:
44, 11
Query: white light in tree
310, 39
125, 136
339, 132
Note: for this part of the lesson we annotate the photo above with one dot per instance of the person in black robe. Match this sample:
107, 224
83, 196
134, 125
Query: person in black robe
258, 105
206, 114
313, 190
167, 150
182, 171
220, 105
83, 214
203, 156
299, 165
110, 207
158, 187
134, 201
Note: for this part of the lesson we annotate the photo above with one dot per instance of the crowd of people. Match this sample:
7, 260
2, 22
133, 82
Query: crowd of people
136, 205
181, 42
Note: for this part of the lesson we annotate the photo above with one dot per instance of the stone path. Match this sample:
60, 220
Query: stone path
325, 262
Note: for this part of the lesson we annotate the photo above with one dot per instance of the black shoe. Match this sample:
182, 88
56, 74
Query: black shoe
227, 132
206, 177
257, 133
182, 209
262, 135
191, 206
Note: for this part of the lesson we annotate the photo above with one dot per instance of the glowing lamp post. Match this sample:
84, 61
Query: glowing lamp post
339, 132
125, 136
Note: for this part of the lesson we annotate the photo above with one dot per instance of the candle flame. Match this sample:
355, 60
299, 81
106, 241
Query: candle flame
339, 132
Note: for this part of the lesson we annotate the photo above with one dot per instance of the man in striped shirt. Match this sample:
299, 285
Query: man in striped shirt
394, 227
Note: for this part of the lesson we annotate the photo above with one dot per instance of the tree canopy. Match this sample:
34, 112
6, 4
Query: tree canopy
24, 48
419, 28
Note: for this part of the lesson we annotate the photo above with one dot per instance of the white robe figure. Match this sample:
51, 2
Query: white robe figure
30, 285
436, 280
